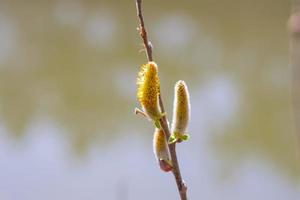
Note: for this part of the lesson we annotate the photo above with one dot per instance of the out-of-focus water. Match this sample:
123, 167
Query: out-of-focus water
67, 95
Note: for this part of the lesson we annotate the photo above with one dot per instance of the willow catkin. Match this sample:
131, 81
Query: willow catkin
161, 150
148, 90
181, 110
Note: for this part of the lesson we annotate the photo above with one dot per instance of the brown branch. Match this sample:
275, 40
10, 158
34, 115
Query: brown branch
143, 32
182, 188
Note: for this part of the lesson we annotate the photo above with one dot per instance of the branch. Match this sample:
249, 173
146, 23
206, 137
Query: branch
142, 30
182, 188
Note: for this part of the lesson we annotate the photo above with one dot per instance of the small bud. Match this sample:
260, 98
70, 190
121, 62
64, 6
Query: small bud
181, 113
161, 150
148, 90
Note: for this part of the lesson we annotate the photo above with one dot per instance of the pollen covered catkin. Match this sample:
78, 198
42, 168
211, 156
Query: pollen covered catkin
148, 90
161, 151
181, 110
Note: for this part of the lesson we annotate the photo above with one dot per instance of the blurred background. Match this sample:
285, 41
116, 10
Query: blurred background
67, 93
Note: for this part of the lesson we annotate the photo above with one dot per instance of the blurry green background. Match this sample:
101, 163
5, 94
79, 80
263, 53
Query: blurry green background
67, 94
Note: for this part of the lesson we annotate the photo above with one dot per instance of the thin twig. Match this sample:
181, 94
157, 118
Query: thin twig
143, 32
182, 188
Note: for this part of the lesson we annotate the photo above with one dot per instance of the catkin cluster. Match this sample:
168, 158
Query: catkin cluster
148, 90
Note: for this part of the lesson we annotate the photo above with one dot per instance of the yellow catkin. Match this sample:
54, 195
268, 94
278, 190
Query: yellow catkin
148, 90
181, 109
161, 151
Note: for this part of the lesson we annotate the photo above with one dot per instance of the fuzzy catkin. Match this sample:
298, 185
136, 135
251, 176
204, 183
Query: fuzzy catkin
181, 108
161, 151
148, 90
